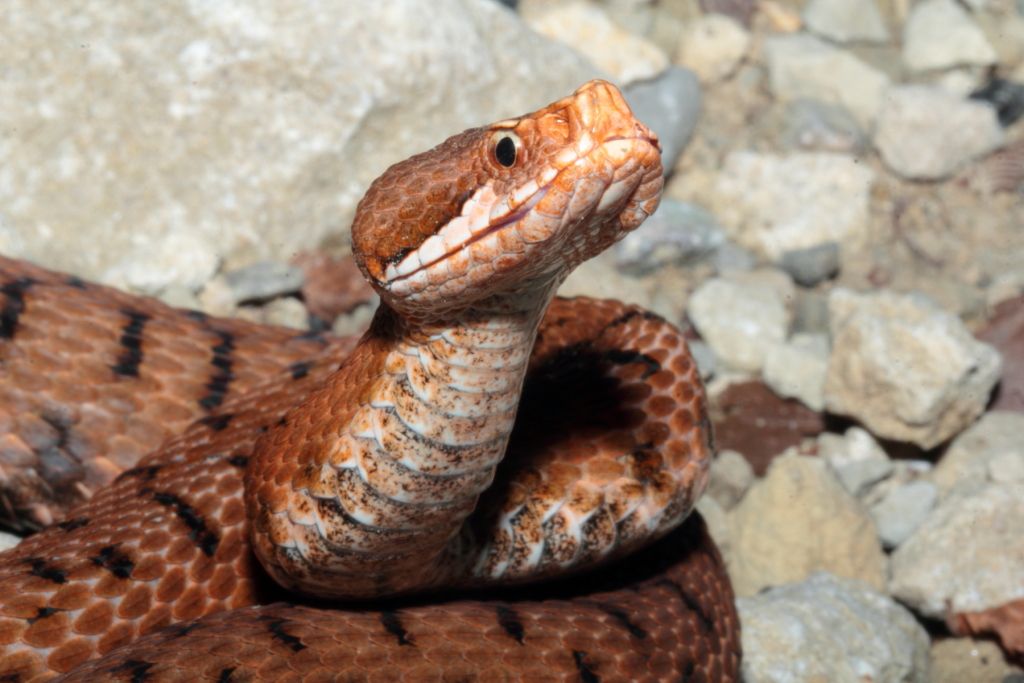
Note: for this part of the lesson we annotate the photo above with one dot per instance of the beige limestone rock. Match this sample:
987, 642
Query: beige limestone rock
799, 519
905, 368
592, 33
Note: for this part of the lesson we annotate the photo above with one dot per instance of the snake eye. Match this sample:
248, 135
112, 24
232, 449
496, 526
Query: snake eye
505, 146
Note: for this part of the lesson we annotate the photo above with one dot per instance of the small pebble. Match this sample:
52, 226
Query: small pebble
264, 280
902, 511
812, 265
678, 232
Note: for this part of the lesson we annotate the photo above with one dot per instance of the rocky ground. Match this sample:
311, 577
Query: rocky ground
843, 235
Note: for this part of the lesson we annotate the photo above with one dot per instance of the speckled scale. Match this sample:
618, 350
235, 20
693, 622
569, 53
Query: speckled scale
654, 617
92, 379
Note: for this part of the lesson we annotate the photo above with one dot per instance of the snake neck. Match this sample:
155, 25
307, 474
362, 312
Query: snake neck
372, 501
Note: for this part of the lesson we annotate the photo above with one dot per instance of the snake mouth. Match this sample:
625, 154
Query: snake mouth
441, 246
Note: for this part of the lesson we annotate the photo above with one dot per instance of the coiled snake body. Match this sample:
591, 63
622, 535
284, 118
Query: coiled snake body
353, 471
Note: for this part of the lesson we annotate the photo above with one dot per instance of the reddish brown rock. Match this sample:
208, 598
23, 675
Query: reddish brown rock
751, 419
1005, 331
1006, 622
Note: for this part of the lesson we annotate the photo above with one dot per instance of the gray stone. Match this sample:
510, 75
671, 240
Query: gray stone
830, 629
738, 318
813, 125
940, 34
992, 443
796, 368
156, 141
264, 280
905, 368
846, 21
731, 257
731, 476
802, 66
774, 204
670, 105
856, 459
713, 46
678, 232
967, 556
902, 511
812, 265
926, 133
799, 519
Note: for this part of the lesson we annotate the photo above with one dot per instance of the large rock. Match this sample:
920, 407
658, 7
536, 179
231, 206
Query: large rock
802, 66
846, 20
940, 34
905, 368
967, 556
776, 204
830, 629
926, 133
799, 519
179, 134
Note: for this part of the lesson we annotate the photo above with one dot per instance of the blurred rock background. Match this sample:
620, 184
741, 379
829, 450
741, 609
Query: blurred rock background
842, 236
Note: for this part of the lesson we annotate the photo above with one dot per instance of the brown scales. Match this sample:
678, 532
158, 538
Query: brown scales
93, 378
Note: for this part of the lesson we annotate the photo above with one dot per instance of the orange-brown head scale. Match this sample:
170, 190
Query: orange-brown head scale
520, 200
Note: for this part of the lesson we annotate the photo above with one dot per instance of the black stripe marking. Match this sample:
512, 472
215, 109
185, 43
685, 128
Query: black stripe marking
118, 564
587, 674
45, 571
225, 675
219, 382
688, 670
76, 282
299, 369
276, 628
14, 305
136, 667
203, 537
217, 422
626, 356
692, 604
42, 613
629, 315
198, 316
623, 619
182, 630
509, 621
131, 342
239, 460
72, 524
392, 623
144, 473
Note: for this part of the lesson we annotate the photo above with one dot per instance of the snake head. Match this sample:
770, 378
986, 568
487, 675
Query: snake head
515, 204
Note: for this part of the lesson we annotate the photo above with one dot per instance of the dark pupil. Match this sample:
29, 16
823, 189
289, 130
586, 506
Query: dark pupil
505, 151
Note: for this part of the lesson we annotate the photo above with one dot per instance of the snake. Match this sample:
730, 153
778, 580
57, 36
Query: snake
491, 483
